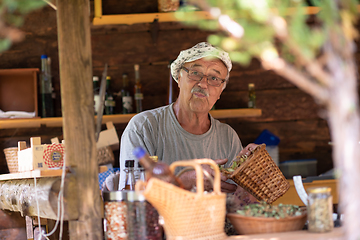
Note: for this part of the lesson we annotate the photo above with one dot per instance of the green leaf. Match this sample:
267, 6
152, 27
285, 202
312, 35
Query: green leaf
243, 58
5, 44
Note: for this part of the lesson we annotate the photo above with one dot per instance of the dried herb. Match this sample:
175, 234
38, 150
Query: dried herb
263, 209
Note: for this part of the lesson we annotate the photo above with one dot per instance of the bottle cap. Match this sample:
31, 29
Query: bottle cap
139, 152
44, 56
136, 67
108, 78
129, 163
95, 78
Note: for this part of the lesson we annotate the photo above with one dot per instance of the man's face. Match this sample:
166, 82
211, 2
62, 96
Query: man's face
200, 96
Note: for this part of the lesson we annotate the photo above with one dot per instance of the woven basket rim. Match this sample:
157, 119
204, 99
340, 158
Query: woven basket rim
266, 219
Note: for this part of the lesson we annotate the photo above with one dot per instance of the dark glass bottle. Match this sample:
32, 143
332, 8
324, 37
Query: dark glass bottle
252, 96
130, 177
126, 99
158, 170
138, 96
109, 98
96, 94
141, 170
47, 109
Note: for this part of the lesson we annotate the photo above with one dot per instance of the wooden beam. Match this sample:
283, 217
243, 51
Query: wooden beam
20, 196
74, 41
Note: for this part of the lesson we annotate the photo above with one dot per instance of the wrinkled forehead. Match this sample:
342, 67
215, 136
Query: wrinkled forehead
215, 64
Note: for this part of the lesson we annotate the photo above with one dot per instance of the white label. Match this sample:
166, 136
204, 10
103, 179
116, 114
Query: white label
127, 103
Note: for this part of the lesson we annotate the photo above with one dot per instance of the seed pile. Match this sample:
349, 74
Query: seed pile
263, 209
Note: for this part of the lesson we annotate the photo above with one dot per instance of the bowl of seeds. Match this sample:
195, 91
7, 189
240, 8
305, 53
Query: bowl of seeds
261, 217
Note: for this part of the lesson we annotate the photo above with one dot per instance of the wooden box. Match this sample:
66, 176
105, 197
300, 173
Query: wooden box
18, 90
40, 156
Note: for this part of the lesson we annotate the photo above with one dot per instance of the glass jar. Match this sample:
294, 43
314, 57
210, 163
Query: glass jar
320, 210
115, 226
143, 219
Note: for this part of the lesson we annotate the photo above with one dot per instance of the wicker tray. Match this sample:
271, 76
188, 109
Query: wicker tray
260, 176
256, 225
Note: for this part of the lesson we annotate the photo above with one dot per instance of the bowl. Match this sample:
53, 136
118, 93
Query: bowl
255, 225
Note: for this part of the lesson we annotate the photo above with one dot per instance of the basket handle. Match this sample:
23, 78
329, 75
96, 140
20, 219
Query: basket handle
196, 164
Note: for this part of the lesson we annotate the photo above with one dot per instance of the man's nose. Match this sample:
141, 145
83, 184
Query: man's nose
203, 82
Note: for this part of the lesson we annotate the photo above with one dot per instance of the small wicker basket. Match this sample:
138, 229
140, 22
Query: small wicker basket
188, 215
260, 176
105, 155
11, 155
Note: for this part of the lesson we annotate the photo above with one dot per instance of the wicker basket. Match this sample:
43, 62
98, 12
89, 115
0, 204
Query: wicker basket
11, 155
256, 225
189, 215
105, 155
260, 176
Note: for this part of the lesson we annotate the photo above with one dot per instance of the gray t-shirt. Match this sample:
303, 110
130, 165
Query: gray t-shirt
160, 134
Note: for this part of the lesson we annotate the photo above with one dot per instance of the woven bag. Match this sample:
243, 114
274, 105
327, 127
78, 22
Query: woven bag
11, 155
260, 176
188, 215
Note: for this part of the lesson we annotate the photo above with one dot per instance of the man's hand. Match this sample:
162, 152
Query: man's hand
189, 179
247, 150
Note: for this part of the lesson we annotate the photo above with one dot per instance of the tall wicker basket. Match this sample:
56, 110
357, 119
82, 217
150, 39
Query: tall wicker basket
11, 155
260, 176
188, 215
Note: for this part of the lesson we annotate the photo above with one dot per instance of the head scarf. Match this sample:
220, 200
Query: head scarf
199, 51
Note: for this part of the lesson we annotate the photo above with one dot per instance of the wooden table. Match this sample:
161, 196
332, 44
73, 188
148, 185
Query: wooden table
336, 234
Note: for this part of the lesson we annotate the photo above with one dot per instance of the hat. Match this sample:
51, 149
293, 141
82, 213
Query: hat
198, 51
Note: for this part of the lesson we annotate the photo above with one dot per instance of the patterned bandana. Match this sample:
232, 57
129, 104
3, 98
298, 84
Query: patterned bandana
200, 50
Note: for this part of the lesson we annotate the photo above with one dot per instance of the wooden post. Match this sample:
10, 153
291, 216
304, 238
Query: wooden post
73, 24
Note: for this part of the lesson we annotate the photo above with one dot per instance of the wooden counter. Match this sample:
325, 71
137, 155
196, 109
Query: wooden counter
336, 234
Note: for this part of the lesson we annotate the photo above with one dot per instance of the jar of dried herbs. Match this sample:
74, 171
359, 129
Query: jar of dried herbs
115, 215
320, 210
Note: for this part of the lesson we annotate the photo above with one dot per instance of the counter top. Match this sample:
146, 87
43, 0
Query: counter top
336, 234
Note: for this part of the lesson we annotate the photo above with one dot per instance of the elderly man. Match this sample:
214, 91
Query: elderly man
185, 129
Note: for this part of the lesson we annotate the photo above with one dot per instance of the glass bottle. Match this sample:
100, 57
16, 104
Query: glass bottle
138, 96
252, 96
130, 177
320, 210
158, 170
96, 94
126, 99
47, 109
142, 175
109, 98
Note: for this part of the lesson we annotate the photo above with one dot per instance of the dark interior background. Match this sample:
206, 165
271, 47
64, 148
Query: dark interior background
287, 112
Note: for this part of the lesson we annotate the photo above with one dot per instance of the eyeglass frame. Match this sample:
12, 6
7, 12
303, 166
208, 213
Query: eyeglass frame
203, 75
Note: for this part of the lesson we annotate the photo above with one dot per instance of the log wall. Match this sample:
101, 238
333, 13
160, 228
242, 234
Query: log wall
287, 111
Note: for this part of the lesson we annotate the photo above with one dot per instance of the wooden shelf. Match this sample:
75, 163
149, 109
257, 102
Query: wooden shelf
38, 173
144, 18
117, 118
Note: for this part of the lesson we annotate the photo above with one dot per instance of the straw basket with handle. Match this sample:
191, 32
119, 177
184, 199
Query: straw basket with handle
260, 176
189, 215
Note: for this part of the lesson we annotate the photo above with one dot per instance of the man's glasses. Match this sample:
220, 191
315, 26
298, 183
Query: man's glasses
198, 76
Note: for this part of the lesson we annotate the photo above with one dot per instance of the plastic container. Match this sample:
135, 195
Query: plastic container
142, 219
129, 216
115, 225
320, 210
302, 167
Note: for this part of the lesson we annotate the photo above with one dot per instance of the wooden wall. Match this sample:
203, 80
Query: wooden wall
287, 112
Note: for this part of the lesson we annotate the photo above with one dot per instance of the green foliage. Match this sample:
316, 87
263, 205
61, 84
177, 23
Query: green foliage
12, 14
260, 34
23, 6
